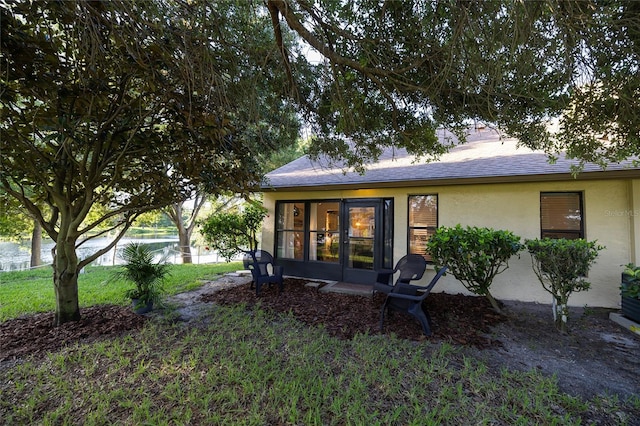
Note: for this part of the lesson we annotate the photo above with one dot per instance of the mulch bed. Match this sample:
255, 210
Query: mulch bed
464, 320
35, 334
460, 319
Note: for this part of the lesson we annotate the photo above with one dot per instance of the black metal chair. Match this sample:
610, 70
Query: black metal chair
408, 298
411, 267
263, 270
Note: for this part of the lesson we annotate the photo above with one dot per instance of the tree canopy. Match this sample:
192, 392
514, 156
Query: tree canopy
560, 76
132, 106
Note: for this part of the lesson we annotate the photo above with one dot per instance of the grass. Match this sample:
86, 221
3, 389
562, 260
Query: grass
257, 369
26, 292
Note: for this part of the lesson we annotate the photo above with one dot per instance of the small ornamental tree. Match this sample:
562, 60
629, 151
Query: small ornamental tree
561, 266
230, 233
474, 255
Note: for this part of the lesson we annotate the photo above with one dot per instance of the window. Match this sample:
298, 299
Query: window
423, 221
561, 215
290, 231
324, 231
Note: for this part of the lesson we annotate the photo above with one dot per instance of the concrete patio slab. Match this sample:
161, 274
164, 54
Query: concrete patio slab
348, 288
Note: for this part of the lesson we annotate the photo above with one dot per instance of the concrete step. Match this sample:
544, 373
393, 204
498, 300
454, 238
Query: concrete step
625, 322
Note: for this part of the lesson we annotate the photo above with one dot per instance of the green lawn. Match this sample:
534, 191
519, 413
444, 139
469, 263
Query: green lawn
31, 291
264, 369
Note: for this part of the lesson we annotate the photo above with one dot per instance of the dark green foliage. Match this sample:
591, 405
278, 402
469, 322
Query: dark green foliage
631, 281
111, 109
14, 223
561, 265
146, 275
474, 255
398, 70
230, 233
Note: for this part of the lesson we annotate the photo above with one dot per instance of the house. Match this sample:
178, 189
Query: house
327, 224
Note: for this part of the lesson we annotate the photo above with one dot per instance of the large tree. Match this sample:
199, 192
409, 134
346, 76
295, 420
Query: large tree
185, 220
131, 106
397, 70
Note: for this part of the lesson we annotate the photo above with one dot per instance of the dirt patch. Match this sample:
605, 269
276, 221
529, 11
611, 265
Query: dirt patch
597, 357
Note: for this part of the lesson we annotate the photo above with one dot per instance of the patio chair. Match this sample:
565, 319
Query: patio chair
263, 270
411, 267
408, 298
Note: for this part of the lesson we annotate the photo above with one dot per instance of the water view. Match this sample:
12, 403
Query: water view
16, 256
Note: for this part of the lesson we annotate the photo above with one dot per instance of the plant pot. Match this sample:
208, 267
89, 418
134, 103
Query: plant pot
141, 308
631, 308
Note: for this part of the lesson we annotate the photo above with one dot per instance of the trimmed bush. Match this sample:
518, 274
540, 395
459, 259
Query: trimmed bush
561, 265
474, 255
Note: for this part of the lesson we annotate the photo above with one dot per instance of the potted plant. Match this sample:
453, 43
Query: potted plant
630, 290
146, 276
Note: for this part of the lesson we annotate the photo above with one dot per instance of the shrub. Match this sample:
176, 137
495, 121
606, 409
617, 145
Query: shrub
561, 266
474, 255
631, 281
230, 233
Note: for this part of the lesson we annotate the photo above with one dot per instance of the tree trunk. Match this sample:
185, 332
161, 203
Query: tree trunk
65, 280
174, 212
494, 302
185, 244
561, 317
36, 244
185, 228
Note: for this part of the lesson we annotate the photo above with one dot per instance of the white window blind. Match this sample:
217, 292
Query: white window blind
423, 221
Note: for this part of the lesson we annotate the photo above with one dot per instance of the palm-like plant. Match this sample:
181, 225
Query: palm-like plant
147, 276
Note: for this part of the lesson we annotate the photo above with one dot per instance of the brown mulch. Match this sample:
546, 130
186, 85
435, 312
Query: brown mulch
460, 319
35, 334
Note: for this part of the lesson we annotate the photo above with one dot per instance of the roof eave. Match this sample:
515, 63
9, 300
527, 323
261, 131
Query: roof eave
613, 174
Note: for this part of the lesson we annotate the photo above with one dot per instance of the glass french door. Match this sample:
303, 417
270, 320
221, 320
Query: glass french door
361, 240
342, 240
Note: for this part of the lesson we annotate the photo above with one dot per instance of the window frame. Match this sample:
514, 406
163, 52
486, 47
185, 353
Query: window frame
579, 233
430, 229
286, 230
313, 233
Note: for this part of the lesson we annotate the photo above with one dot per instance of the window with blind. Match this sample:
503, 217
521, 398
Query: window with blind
423, 221
561, 215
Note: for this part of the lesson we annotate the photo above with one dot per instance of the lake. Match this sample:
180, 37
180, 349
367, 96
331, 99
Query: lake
16, 256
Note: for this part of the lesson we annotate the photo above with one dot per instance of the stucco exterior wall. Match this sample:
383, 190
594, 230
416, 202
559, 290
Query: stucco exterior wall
611, 215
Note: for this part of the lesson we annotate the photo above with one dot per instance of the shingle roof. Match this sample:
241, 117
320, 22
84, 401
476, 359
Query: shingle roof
485, 157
